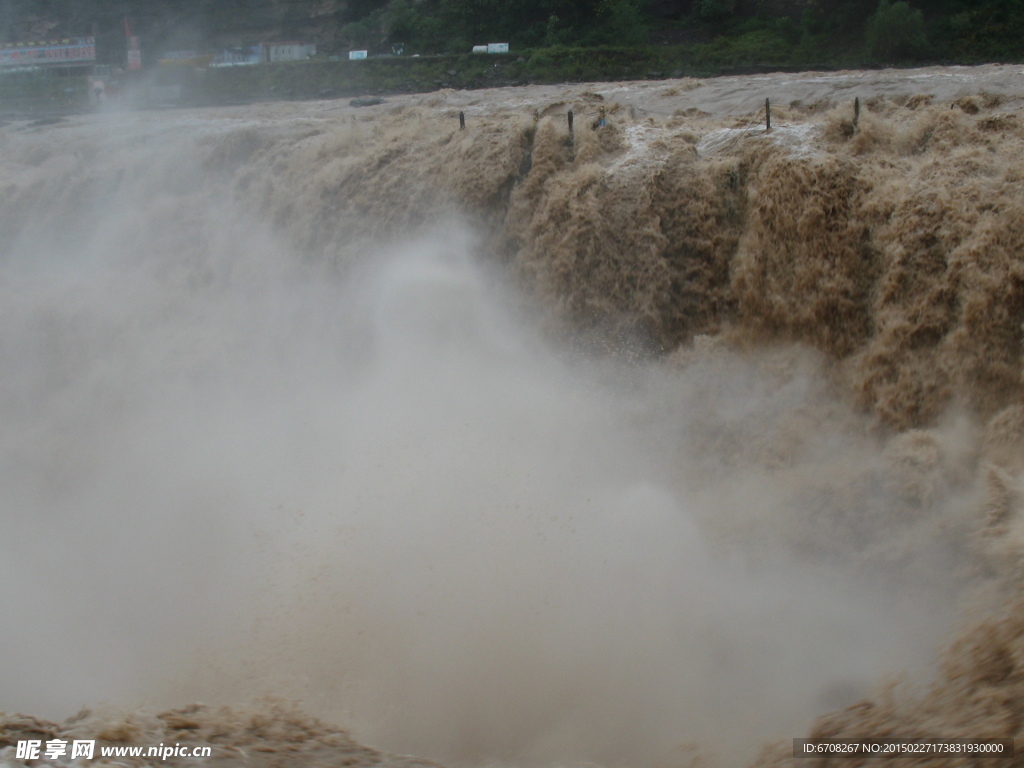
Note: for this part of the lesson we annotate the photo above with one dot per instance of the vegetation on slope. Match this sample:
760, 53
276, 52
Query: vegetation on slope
719, 32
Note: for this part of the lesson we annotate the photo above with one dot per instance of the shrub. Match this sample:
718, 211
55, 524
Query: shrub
619, 22
761, 48
715, 10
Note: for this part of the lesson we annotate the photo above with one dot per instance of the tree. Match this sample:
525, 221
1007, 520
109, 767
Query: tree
896, 31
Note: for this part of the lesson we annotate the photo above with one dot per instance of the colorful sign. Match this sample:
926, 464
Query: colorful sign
76, 51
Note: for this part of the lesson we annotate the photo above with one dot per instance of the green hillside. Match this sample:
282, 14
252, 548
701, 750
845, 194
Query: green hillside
784, 32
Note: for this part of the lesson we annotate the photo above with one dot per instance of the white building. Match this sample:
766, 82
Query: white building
290, 51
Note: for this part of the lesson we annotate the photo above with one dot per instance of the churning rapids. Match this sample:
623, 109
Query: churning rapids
656, 444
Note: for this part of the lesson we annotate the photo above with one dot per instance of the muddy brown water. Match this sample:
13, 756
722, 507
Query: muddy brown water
658, 443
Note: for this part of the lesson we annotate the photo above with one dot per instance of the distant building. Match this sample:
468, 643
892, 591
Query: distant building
291, 51
188, 55
185, 58
491, 48
236, 57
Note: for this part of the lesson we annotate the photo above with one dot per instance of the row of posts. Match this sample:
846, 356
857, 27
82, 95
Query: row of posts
599, 124
767, 117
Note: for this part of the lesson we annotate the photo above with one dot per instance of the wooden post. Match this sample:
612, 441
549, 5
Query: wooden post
856, 111
767, 115
571, 143
462, 121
